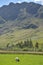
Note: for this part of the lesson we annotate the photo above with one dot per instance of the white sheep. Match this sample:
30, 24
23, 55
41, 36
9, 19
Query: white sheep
17, 59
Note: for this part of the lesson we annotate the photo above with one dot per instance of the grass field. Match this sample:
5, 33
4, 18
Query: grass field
25, 59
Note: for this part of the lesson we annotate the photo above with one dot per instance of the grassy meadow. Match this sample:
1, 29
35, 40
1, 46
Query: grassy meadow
25, 59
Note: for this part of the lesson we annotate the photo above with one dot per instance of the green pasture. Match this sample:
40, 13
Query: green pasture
25, 59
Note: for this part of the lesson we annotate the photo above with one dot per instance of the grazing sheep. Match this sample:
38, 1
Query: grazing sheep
17, 59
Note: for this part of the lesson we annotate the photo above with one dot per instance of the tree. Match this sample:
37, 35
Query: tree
37, 45
30, 44
19, 45
8, 45
26, 43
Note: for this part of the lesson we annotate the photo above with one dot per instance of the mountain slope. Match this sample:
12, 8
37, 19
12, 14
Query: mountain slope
19, 22
11, 11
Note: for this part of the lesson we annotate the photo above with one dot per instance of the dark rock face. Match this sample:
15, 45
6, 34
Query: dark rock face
23, 15
33, 26
11, 11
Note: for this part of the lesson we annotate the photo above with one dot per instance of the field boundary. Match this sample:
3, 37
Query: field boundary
20, 52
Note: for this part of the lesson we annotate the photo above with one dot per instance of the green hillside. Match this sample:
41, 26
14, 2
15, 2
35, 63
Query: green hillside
21, 22
13, 34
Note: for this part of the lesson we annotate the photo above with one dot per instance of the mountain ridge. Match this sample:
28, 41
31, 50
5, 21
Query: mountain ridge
20, 22
11, 11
